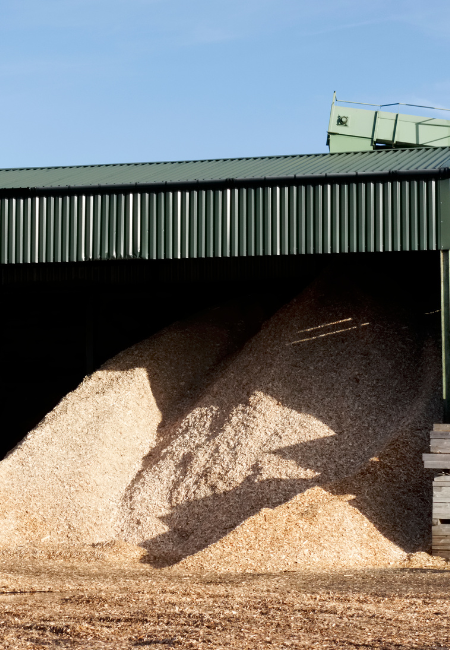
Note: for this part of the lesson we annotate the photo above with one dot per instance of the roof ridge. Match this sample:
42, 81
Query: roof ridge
163, 162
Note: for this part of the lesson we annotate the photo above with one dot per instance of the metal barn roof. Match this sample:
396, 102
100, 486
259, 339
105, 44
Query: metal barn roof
390, 200
160, 172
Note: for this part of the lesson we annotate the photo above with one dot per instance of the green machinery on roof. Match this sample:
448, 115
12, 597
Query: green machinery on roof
356, 129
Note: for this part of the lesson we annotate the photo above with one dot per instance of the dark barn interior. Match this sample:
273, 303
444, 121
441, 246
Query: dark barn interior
62, 321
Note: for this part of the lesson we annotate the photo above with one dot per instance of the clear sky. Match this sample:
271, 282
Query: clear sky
104, 81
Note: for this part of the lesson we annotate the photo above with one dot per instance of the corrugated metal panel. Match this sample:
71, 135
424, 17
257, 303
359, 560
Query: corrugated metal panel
339, 218
368, 161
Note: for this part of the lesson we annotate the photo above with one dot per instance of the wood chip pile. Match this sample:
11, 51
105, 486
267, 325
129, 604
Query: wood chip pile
300, 449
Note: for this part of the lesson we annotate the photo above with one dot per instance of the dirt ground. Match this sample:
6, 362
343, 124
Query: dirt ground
54, 604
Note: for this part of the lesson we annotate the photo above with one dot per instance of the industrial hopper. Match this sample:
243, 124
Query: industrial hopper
360, 129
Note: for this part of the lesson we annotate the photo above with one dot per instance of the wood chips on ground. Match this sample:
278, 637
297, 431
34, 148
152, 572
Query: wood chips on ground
104, 606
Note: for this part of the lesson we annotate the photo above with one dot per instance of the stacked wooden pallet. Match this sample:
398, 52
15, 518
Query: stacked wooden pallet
439, 458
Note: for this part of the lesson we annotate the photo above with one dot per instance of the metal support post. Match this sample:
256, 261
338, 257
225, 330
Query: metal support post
445, 326
89, 334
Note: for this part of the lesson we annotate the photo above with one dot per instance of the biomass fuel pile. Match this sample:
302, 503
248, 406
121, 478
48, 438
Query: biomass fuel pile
299, 446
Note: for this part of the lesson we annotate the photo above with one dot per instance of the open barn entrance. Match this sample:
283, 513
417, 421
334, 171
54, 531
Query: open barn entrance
62, 321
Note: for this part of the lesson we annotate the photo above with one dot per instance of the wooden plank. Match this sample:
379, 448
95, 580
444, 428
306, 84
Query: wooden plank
441, 427
440, 435
436, 461
440, 529
440, 446
444, 554
441, 492
443, 457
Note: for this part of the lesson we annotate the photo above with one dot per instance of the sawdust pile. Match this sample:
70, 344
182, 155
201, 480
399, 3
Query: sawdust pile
65, 481
302, 449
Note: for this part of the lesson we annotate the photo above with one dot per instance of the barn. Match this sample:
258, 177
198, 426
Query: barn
95, 258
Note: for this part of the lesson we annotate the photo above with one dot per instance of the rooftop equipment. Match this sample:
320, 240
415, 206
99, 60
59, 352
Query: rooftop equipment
360, 129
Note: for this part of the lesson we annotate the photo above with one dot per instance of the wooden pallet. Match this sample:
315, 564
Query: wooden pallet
440, 529
439, 458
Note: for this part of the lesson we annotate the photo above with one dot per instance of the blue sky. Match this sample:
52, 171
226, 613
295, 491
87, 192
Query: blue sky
103, 81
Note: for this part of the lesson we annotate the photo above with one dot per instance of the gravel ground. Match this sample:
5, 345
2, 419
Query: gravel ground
103, 606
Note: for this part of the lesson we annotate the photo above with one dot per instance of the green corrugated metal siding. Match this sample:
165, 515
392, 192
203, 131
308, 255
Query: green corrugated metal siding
285, 220
296, 216
368, 161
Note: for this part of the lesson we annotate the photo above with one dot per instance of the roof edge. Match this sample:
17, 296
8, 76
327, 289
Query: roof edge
173, 162
231, 183
213, 160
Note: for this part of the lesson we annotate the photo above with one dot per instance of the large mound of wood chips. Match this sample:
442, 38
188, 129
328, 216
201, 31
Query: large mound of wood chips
300, 449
